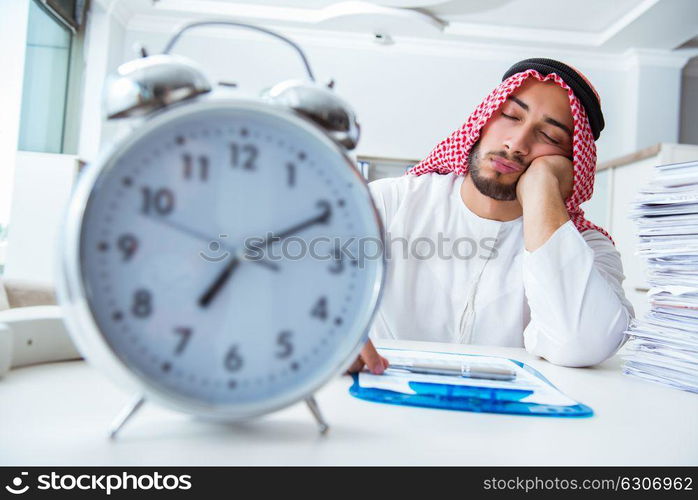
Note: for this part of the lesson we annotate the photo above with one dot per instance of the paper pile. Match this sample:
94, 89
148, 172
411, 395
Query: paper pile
664, 344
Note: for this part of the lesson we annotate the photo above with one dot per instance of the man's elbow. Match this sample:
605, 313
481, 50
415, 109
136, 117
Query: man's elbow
583, 347
582, 355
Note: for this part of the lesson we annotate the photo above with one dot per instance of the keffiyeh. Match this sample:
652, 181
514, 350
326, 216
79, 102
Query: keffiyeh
451, 155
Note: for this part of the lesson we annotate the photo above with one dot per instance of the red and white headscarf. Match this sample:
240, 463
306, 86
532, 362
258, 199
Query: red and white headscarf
451, 155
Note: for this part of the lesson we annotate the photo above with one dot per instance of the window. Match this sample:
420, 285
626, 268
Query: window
373, 168
47, 71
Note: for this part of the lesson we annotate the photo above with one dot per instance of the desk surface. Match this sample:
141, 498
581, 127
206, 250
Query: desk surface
58, 414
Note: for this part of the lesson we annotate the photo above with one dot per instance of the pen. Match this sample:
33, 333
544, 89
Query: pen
467, 370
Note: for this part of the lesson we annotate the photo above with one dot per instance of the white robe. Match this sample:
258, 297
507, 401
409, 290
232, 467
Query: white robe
563, 301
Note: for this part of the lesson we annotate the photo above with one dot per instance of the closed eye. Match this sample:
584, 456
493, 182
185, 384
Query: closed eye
509, 116
550, 138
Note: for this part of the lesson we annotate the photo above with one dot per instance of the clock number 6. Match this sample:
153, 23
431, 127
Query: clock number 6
233, 360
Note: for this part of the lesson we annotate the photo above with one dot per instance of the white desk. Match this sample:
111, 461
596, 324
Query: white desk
58, 414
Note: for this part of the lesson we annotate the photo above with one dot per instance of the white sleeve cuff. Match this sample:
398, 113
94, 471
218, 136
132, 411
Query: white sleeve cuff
565, 247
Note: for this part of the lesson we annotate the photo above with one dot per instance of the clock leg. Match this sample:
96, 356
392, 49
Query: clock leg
125, 415
315, 410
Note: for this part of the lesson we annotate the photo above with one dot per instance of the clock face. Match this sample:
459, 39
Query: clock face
230, 256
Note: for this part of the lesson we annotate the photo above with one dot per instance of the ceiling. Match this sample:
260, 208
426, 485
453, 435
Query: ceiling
604, 25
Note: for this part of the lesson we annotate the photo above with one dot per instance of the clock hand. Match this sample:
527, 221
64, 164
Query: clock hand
262, 262
225, 274
322, 218
218, 283
182, 229
196, 234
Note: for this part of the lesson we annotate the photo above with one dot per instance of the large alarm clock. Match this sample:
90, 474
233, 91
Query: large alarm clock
225, 258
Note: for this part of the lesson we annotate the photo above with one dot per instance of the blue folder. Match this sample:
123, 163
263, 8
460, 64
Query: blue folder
471, 398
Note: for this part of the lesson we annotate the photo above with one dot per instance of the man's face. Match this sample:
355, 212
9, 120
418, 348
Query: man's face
534, 121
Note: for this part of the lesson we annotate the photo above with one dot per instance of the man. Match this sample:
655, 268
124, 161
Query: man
509, 182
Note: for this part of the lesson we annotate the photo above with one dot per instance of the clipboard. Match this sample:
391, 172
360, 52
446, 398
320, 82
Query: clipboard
530, 394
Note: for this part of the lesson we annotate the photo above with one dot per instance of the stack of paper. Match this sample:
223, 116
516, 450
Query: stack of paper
663, 346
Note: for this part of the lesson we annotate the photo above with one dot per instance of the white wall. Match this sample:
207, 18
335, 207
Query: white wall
103, 53
410, 95
42, 185
407, 96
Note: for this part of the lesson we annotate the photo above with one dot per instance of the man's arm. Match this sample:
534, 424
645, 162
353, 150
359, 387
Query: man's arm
541, 191
572, 281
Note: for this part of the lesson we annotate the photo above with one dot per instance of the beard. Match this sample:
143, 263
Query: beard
489, 187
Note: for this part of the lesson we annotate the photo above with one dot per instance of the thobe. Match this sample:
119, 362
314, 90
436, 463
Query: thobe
456, 277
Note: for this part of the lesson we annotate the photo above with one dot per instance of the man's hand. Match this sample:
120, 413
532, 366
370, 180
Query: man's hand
546, 171
542, 190
370, 358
